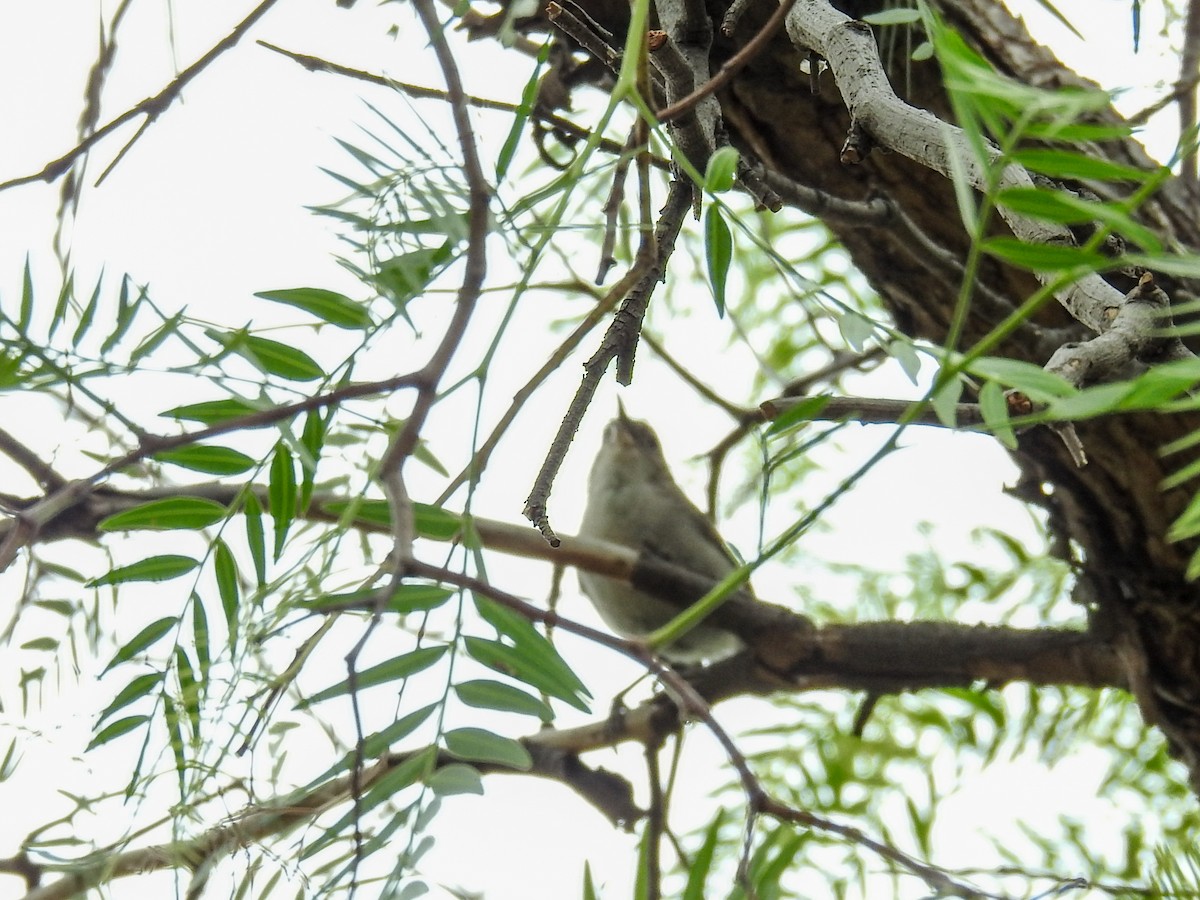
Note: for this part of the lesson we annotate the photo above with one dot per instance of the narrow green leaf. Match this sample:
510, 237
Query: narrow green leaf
400, 667
529, 96
530, 668
208, 458
125, 315
721, 169
945, 402
1059, 163
1098, 400
718, 252
484, 693
143, 640
281, 494
175, 739
329, 306
201, 641
26, 314
455, 779
312, 439
417, 767
88, 314
703, 860
154, 568
1188, 523
1041, 386
276, 358
430, 521
189, 690
214, 412
994, 408
228, 588
41, 643
377, 744
154, 340
255, 539
480, 745
165, 515
900, 15
116, 729
60, 307
406, 599
804, 411
1042, 257
139, 687
403, 277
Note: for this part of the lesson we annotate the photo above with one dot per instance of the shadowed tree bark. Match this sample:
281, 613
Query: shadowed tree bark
1110, 517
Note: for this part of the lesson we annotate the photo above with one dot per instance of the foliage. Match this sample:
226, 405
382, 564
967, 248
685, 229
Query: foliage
227, 581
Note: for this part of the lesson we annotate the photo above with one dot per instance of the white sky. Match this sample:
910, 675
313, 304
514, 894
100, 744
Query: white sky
208, 208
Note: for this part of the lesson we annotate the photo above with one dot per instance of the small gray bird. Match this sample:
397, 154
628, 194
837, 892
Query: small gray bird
633, 501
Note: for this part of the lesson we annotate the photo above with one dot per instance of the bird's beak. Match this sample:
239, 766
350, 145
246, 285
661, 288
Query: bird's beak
621, 411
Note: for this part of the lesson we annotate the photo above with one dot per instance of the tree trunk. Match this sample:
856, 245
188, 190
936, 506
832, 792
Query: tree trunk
1110, 517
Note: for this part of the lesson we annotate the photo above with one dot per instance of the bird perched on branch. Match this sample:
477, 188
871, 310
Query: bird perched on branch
633, 501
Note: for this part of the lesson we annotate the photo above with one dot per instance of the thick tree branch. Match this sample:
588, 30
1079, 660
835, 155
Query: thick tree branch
853, 57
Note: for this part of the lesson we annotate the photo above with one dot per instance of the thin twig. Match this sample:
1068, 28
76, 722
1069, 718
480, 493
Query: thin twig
151, 107
731, 67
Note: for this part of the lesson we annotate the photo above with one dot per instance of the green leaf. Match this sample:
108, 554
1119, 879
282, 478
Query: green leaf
60, 307
26, 312
116, 729
1041, 386
805, 410
487, 694
312, 439
281, 495
1188, 523
228, 588
994, 408
377, 744
529, 96
856, 329
275, 358
329, 306
88, 314
407, 598
721, 169
403, 666
945, 402
455, 779
255, 536
703, 860
152, 341
535, 669
905, 354
125, 314
154, 568
1057, 163
165, 515
175, 739
1042, 257
718, 252
201, 641
480, 745
403, 277
207, 458
139, 687
143, 640
900, 15
430, 521
214, 412
1069, 209
1098, 400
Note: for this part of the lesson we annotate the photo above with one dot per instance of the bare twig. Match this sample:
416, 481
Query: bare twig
151, 107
